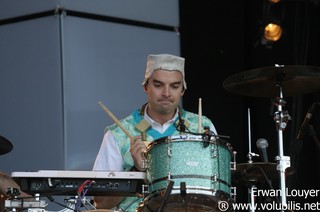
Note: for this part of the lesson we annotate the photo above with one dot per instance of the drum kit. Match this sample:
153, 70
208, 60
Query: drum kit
184, 175
200, 173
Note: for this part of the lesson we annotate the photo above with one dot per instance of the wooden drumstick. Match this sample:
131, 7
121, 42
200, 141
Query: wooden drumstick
200, 117
114, 119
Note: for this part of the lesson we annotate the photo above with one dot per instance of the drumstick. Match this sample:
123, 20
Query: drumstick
200, 116
114, 119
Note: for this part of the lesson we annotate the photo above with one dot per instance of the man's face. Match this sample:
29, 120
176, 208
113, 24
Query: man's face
164, 90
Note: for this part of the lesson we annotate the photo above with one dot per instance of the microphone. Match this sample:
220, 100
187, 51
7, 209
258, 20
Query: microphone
304, 126
262, 145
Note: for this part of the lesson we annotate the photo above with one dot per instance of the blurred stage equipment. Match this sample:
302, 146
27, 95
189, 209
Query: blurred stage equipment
274, 1
271, 23
79, 184
306, 122
273, 31
278, 81
266, 81
257, 172
5, 145
65, 182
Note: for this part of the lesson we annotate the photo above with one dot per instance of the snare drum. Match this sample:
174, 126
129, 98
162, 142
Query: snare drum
199, 168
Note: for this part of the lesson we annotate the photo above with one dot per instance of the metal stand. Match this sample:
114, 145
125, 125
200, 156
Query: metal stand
281, 118
252, 200
250, 154
19, 204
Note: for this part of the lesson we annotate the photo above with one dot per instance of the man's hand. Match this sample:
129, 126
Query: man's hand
137, 150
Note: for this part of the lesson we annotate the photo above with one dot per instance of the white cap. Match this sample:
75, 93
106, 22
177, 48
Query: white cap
165, 62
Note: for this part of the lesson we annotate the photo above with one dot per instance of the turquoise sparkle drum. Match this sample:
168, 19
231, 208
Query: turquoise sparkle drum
199, 167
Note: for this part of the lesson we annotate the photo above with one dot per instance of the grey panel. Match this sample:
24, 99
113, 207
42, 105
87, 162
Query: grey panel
103, 62
30, 93
161, 12
14, 8
49, 96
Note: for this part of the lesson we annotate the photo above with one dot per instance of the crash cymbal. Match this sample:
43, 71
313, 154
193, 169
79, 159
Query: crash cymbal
5, 145
265, 82
257, 172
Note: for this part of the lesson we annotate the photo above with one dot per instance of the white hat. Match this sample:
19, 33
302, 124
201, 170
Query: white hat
165, 62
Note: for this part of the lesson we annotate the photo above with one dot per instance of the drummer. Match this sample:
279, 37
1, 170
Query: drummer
164, 84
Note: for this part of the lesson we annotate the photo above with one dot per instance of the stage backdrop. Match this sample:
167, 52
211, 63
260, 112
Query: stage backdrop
59, 59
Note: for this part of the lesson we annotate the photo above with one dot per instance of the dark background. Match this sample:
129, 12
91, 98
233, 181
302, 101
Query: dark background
222, 38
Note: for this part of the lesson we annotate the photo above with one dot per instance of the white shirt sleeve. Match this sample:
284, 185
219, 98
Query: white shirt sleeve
109, 156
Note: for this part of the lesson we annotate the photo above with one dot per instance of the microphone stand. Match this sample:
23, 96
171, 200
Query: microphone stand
313, 134
252, 199
250, 155
281, 118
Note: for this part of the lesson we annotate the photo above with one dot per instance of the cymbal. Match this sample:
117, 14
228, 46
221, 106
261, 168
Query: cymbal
5, 145
266, 81
254, 172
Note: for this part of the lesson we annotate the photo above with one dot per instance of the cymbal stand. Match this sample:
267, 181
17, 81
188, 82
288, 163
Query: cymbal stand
281, 118
252, 198
250, 154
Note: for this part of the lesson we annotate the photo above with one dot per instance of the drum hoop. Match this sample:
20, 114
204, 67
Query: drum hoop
185, 138
216, 193
181, 136
147, 202
190, 176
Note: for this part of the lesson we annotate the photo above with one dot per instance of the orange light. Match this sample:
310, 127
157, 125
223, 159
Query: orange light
272, 32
